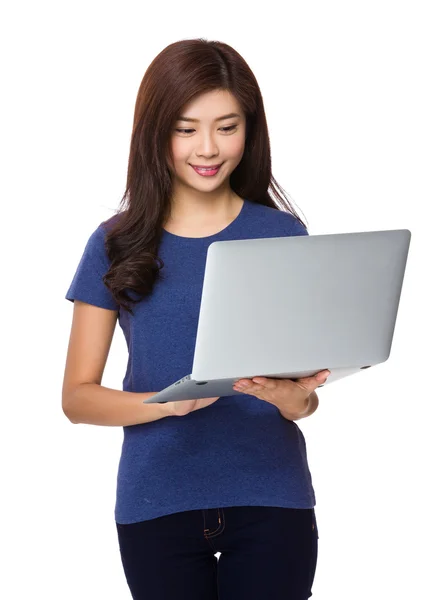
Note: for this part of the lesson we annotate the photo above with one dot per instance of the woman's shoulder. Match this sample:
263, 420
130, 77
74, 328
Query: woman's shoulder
278, 217
109, 223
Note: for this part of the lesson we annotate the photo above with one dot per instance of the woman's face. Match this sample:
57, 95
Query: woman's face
207, 141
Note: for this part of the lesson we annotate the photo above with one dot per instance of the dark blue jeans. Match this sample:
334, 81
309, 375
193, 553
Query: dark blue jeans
267, 553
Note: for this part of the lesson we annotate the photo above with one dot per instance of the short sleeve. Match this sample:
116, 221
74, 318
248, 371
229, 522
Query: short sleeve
295, 227
87, 284
299, 229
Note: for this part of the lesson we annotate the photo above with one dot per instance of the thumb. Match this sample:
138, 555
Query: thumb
309, 384
322, 376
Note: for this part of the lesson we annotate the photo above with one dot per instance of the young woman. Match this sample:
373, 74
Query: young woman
222, 475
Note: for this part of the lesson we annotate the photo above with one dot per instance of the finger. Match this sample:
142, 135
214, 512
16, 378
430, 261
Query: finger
323, 375
267, 383
244, 385
308, 384
318, 377
259, 380
243, 382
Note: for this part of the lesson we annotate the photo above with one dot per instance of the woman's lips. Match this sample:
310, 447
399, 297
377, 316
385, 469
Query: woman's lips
207, 173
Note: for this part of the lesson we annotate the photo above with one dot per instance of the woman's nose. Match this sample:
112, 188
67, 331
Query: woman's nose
207, 146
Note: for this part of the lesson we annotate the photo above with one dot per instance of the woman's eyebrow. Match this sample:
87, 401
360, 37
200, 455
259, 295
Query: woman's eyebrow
229, 116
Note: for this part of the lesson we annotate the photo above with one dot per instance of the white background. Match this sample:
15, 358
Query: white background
351, 97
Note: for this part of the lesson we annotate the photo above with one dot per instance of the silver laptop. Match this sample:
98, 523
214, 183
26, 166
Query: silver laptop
289, 307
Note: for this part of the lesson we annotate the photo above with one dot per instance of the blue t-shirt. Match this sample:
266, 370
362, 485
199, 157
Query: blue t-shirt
239, 451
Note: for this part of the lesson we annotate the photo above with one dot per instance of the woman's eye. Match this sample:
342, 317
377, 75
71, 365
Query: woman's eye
229, 128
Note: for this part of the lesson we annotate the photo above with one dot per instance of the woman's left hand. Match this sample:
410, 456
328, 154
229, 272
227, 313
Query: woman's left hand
283, 393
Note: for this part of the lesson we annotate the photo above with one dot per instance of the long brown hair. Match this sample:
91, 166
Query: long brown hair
180, 72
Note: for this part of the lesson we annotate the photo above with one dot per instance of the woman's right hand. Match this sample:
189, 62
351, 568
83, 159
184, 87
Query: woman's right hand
183, 407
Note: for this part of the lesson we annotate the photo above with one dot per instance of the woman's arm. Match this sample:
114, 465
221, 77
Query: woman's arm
94, 404
84, 399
